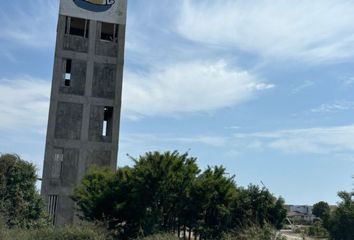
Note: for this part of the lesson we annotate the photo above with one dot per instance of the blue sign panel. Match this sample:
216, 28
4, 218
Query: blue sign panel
95, 5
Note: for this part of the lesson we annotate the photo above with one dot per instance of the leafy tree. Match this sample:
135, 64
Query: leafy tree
93, 193
162, 181
20, 203
277, 214
106, 196
165, 192
257, 206
145, 199
321, 210
212, 196
341, 222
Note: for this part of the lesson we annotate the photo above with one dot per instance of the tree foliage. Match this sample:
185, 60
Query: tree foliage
341, 221
212, 196
167, 192
321, 210
256, 205
20, 203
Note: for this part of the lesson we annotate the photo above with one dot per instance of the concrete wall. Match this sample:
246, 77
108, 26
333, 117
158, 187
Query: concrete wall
75, 43
98, 158
65, 213
78, 78
104, 81
68, 121
109, 49
69, 167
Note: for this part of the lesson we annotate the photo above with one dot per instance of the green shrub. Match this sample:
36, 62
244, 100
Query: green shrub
316, 230
255, 233
20, 203
161, 237
66, 233
165, 190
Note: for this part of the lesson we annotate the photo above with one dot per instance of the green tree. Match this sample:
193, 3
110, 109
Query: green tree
341, 222
213, 194
277, 213
257, 206
106, 196
321, 210
165, 192
20, 203
164, 180
145, 199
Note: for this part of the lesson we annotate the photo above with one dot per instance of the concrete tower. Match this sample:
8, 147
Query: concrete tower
84, 115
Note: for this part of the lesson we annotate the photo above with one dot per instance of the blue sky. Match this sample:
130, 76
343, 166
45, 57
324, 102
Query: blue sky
263, 88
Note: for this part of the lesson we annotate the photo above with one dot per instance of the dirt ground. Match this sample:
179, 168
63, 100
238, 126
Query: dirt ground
293, 236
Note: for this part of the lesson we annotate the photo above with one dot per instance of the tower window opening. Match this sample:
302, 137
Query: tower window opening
77, 27
107, 121
109, 32
57, 166
104, 128
67, 75
52, 206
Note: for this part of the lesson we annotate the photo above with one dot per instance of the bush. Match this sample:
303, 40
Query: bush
161, 237
20, 203
316, 230
341, 222
164, 192
66, 233
255, 233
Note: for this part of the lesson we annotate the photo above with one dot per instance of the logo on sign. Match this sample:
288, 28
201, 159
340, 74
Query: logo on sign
94, 5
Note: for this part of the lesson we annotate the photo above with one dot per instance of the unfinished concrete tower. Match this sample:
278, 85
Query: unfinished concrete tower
84, 115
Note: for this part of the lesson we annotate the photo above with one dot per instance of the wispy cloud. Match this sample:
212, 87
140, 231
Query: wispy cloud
312, 31
213, 141
336, 140
24, 103
188, 87
8, 56
135, 144
348, 82
30, 23
336, 106
303, 86
139, 138
325, 140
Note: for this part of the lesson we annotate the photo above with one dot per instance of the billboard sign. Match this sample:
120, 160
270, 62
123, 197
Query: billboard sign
95, 5
112, 11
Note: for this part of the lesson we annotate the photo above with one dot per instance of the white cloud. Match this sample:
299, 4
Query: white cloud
313, 31
188, 87
337, 139
24, 103
334, 107
138, 143
30, 24
213, 141
151, 139
302, 87
348, 82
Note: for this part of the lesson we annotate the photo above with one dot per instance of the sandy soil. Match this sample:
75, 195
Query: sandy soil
293, 236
